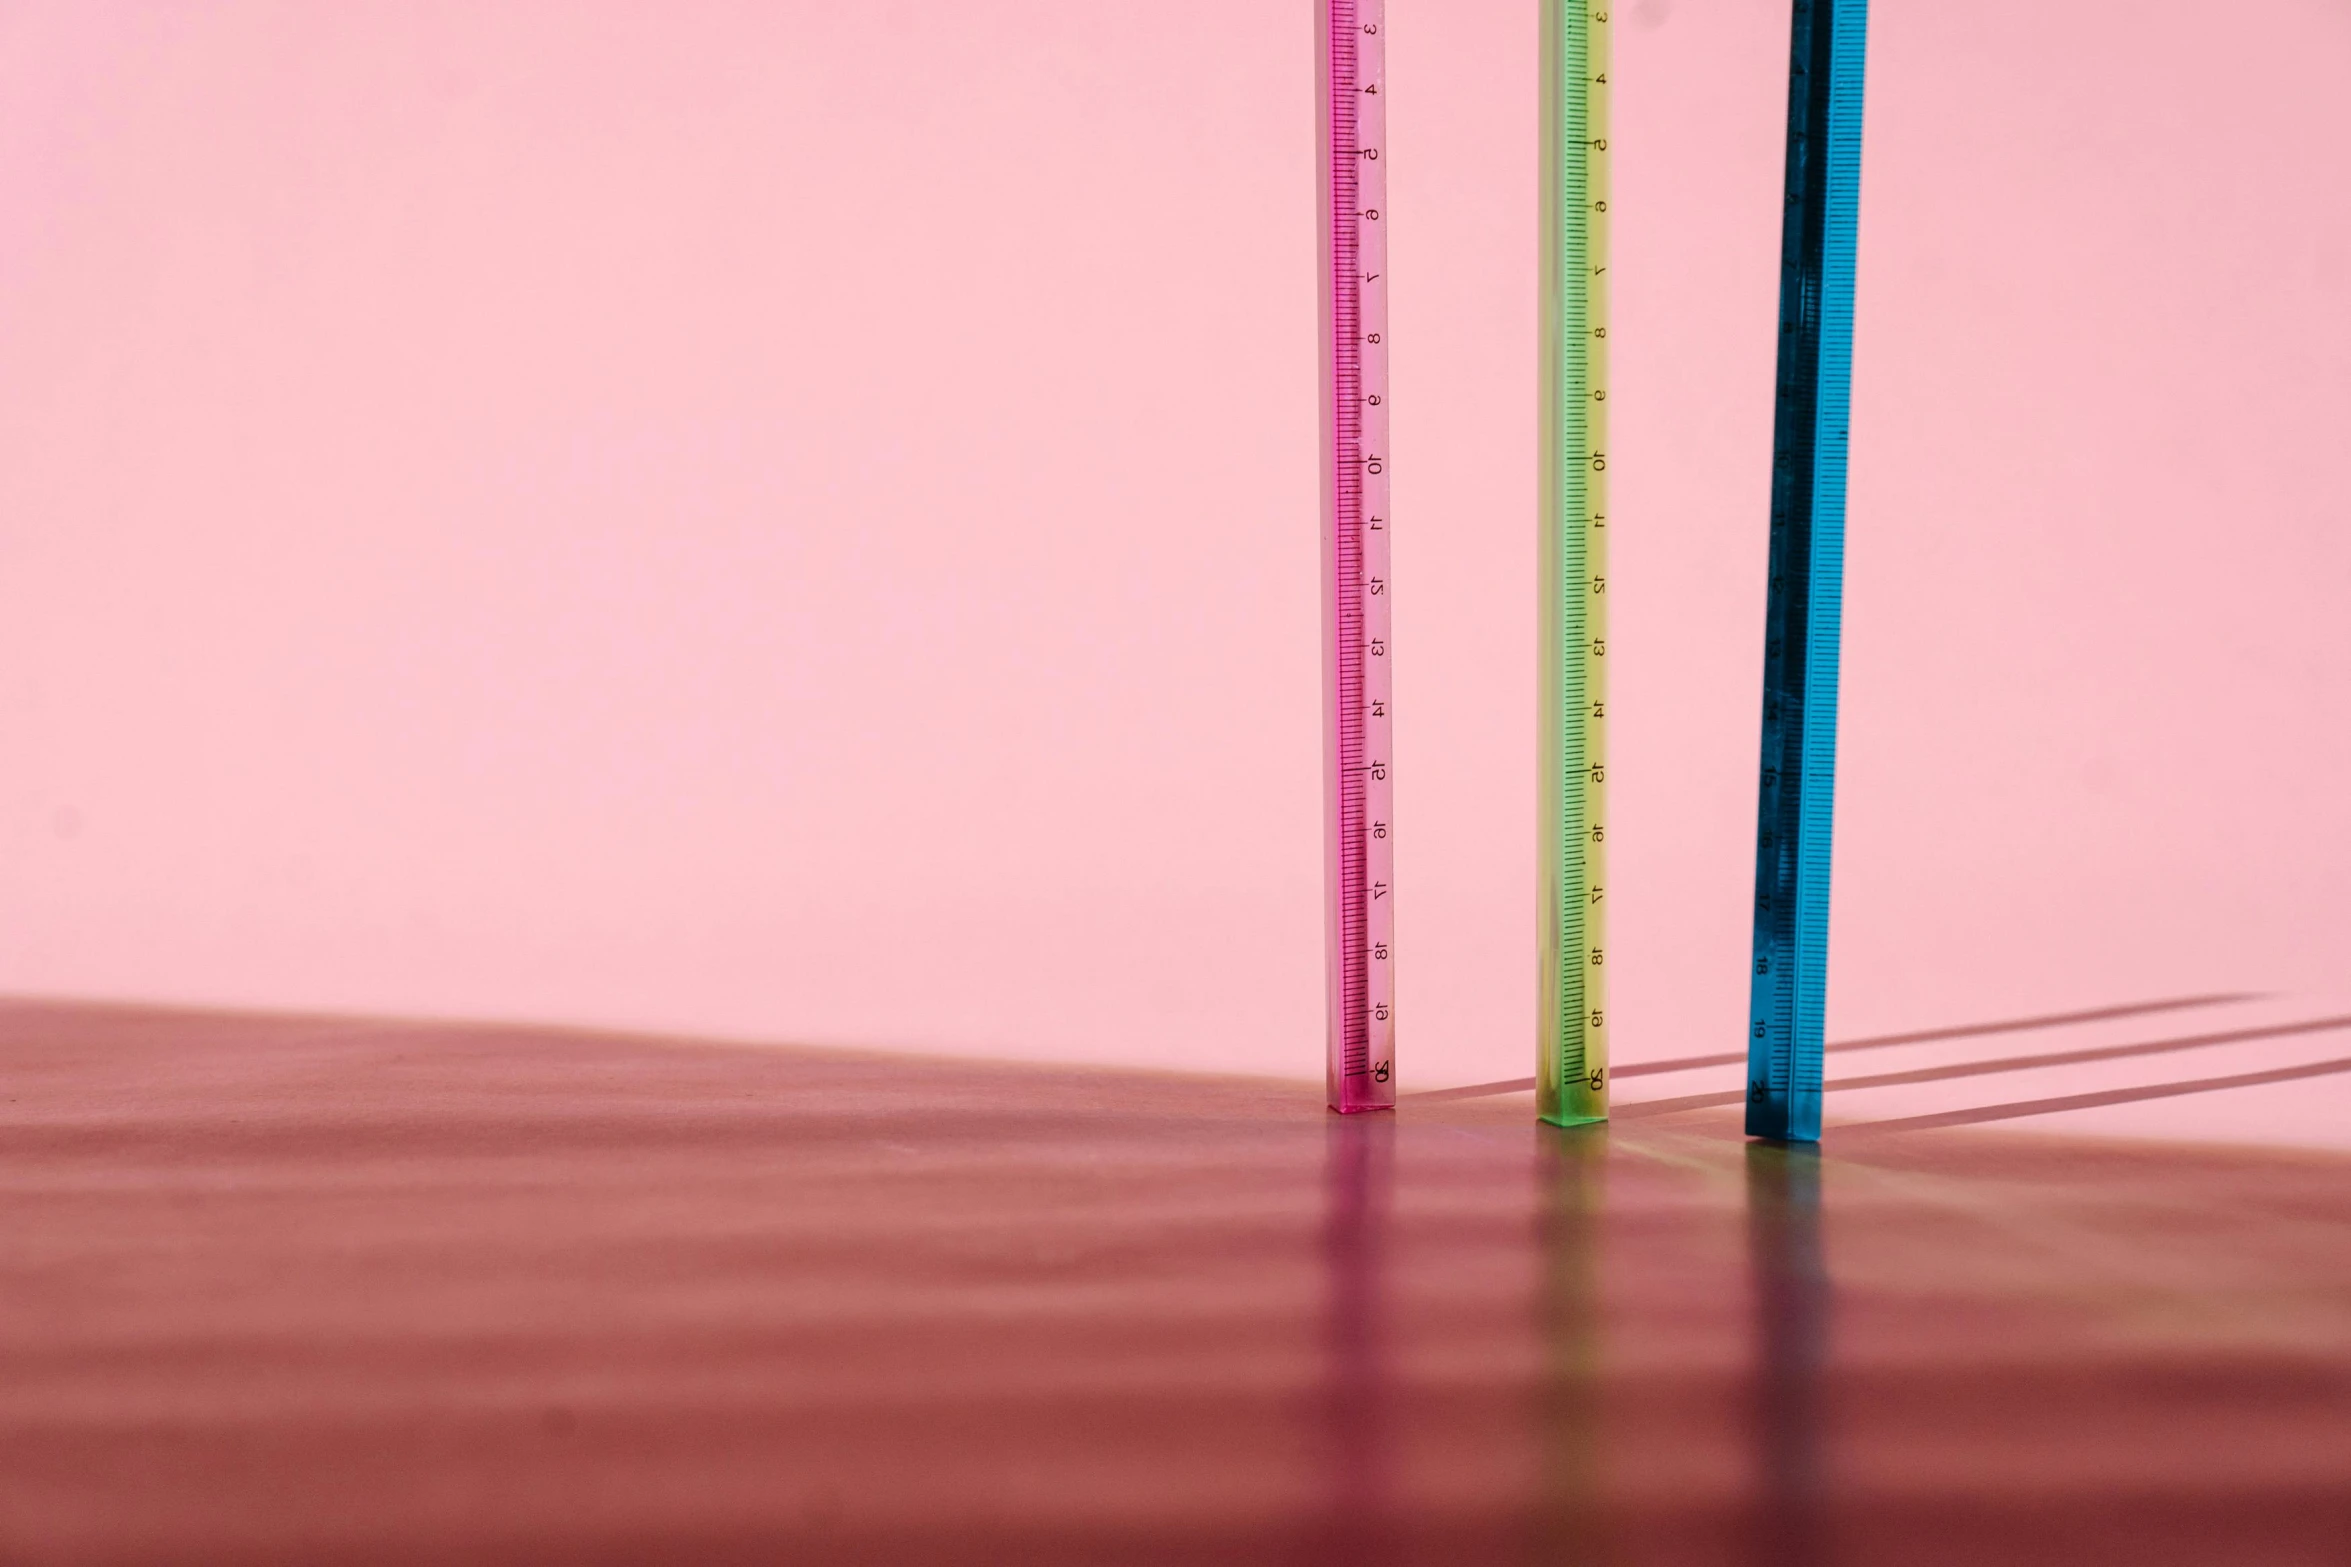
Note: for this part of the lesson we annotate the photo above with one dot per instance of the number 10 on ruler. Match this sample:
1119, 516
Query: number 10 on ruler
1358, 641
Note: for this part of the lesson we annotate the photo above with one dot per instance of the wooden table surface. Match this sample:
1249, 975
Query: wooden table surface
339, 1291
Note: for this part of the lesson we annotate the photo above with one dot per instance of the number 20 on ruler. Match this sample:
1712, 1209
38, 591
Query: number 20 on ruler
1358, 642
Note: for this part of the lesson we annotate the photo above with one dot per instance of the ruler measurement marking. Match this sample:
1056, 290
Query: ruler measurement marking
1359, 641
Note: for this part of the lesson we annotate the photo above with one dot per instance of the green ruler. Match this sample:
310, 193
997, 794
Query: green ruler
1571, 1071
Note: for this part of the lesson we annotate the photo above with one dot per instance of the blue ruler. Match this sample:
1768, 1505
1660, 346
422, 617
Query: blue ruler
1797, 795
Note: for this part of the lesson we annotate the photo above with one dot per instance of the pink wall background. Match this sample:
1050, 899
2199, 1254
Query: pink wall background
796, 521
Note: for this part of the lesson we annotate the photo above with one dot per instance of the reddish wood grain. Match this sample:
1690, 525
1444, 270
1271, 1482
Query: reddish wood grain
350, 1291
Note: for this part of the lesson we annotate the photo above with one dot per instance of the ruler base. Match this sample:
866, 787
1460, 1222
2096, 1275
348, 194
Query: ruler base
1573, 1103
1356, 1092
1777, 1118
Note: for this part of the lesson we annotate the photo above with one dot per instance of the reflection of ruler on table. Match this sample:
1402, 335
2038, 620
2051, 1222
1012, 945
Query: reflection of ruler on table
1358, 644
1797, 790
1571, 1070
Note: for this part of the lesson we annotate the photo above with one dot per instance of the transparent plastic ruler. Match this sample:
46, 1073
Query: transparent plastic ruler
1797, 792
1358, 641
1571, 1069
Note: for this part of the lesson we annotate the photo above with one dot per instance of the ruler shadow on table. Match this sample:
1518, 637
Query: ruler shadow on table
2045, 1020
2054, 1104
2004, 1064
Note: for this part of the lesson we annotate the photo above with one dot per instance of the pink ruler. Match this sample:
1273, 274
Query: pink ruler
1358, 643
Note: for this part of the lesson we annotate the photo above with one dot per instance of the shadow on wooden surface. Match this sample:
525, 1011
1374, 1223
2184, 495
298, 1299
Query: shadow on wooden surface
1922, 1036
346, 1291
